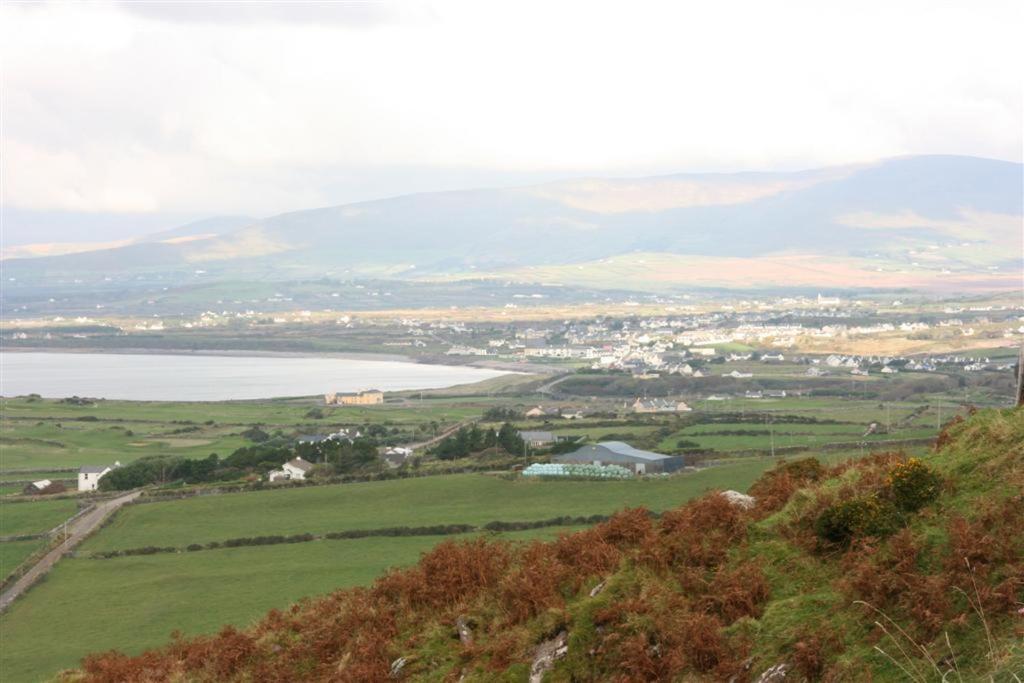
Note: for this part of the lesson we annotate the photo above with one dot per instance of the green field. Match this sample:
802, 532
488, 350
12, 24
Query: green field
140, 600
13, 553
708, 436
34, 517
458, 499
147, 597
62, 443
238, 413
36, 476
40, 434
144, 598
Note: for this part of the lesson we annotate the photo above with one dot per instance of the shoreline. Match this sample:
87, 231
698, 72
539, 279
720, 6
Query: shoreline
489, 364
226, 353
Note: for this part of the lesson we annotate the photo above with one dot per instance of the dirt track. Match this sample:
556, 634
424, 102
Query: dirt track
76, 533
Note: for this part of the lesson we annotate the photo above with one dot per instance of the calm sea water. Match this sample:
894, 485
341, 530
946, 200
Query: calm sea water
152, 377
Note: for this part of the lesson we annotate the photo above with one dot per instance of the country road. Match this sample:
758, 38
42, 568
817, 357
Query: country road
448, 432
77, 531
547, 388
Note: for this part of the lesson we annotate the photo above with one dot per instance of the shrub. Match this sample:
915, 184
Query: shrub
913, 485
845, 520
775, 487
812, 650
255, 434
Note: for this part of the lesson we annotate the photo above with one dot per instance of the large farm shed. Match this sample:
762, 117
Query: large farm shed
619, 453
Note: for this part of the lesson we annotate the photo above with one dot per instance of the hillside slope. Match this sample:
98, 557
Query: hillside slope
880, 569
928, 214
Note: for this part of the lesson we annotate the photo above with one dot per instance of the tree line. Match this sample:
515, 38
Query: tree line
472, 439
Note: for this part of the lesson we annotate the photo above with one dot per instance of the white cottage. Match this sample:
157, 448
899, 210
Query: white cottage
89, 475
296, 468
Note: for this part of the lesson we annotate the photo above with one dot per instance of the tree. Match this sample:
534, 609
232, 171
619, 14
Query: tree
255, 434
509, 439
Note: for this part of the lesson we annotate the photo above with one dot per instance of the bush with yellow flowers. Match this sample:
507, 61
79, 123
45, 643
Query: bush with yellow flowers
913, 485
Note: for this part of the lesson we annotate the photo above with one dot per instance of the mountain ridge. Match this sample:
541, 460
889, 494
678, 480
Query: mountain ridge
964, 209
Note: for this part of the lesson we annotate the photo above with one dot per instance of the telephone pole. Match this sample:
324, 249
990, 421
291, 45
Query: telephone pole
1020, 377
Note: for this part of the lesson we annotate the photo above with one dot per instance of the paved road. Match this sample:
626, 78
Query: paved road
77, 531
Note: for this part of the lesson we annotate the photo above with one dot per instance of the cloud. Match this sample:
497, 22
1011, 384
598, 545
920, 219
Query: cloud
265, 107
355, 14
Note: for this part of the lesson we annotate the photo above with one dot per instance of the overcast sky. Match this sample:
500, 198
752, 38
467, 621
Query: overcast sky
216, 107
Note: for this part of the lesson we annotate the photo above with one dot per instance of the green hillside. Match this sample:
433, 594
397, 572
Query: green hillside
885, 568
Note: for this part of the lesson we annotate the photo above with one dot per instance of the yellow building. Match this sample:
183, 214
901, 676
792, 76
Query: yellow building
370, 397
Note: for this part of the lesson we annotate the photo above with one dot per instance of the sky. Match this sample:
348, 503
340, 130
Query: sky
151, 113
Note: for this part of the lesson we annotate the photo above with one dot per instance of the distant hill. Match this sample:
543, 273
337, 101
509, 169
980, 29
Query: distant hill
923, 222
208, 227
863, 571
202, 229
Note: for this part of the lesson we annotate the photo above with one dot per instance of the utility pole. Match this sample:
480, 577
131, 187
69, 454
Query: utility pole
1020, 377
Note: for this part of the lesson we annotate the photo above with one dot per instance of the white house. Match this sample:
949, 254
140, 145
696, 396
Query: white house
296, 468
396, 455
541, 411
89, 475
660, 405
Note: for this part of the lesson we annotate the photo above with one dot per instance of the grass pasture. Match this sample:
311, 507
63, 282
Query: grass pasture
13, 553
38, 434
458, 499
190, 592
197, 592
34, 517
741, 436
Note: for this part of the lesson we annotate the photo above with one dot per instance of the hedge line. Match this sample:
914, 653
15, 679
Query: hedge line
395, 531
556, 521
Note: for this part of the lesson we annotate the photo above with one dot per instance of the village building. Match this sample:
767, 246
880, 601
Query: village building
539, 439
43, 487
370, 397
659, 405
541, 411
296, 469
340, 435
395, 456
89, 475
620, 453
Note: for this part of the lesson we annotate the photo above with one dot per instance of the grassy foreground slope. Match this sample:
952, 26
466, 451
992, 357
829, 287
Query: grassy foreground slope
148, 597
879, 569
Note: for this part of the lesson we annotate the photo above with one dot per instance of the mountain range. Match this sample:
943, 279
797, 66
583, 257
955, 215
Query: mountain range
927, 222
